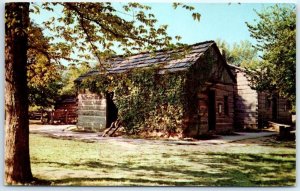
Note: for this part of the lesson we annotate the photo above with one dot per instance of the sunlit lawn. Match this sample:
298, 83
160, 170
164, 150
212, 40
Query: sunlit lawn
125, 163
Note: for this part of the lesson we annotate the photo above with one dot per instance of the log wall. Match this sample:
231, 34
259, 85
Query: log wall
224, 121
209, 73
253, 109
265, 109
198, 123
284, 107
246, 103
91, 112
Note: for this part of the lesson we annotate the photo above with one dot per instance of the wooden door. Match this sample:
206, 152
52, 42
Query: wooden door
274, 108
111, 110
211, 110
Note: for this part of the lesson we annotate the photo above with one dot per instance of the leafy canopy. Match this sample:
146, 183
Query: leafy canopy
44, 74
275, 32
93, 31
240, 54
70, 75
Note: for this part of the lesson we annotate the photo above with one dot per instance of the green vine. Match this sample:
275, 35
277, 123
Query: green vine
147, 102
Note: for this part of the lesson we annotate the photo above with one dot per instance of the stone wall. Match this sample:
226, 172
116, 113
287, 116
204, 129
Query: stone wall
91, 112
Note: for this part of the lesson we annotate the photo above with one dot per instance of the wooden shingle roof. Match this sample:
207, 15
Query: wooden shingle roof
167, 60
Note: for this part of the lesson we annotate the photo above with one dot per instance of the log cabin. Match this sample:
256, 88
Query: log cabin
209, 89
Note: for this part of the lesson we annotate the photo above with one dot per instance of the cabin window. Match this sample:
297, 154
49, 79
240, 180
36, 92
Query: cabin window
219, 108
226, 111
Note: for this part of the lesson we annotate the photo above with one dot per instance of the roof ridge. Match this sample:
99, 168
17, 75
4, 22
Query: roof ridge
162, 50
236, 67
121, 62
204, 42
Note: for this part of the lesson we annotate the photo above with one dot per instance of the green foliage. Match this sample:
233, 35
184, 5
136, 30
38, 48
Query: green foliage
195, 15
44, 75
104, 28
275, 32
72, 73
44, 95
240, 54
47, 78
146, 101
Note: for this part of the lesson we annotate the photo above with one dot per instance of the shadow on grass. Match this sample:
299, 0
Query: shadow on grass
88, 164
272, 158
271, 141
222, 169
130, 181
229, 170
40, 182
237, 170
258, 169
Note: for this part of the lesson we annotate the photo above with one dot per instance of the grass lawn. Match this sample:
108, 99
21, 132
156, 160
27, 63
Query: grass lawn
154, 163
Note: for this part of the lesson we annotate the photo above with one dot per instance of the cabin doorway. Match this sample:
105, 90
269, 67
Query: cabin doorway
111, 109
211, 110
274, 108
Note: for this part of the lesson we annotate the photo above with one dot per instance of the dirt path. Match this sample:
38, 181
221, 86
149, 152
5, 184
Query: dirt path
64, 132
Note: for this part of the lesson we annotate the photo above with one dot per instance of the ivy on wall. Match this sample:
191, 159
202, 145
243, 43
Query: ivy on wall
150, 102
147, 102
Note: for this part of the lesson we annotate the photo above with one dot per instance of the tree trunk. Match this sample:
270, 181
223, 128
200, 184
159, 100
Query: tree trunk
17, 159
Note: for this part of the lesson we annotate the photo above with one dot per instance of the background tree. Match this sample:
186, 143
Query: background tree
240, 54
72, 73
43, 69
275, 32
48, 79
91, 27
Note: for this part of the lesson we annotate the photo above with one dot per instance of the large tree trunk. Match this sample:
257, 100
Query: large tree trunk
17, 160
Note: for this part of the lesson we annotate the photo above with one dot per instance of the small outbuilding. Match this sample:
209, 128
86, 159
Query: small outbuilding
254, 109
206, 97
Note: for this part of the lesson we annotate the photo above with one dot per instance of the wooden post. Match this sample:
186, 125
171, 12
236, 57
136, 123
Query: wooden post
67, 117
51, 117
284, 132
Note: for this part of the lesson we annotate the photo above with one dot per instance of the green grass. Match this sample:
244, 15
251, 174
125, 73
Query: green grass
154, 163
